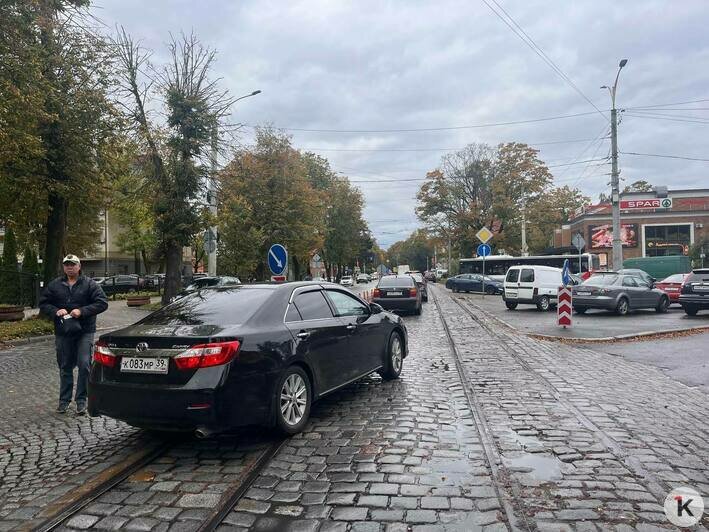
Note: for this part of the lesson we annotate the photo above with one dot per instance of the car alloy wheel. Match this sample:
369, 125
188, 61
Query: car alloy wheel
622, 308
663, 306
292, 400
543, 303
395, 358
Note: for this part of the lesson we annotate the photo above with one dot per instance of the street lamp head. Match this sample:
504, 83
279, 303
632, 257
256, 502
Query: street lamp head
623, 62
605, 87
259, 91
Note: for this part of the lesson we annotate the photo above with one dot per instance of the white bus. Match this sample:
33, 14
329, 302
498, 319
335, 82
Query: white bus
496, 265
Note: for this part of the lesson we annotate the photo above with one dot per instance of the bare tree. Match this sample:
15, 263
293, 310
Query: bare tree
178, 148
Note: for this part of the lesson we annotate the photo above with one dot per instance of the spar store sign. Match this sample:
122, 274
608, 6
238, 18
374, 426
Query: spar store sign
657, 203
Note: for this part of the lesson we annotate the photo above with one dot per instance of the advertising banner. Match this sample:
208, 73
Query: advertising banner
601, 236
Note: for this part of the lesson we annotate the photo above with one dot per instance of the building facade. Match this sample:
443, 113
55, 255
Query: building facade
647, 228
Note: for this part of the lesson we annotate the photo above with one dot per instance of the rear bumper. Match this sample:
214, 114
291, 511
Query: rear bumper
602, 302
694, 301
238, 402
396, 303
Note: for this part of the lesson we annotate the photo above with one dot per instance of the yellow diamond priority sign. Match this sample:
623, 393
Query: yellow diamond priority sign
484, 235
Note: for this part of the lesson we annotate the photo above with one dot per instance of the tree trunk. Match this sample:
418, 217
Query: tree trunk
56, 232
136, 262
145, 260
173, 271
296, 268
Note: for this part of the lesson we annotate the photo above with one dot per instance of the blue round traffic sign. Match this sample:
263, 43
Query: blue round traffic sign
484, 250
277, 259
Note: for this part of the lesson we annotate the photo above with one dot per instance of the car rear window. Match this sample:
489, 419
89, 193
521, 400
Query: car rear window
230, 306
601, 280
676, 278
698, 275
512, 276
386, 282
527, 276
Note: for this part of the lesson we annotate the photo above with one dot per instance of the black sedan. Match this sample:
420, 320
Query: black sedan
242, 355
473, 282
695, 292
618, 292
398, 292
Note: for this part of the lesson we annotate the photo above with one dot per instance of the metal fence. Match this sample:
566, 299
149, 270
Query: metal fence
19, 288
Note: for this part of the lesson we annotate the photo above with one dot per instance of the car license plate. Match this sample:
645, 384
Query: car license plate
583, 293
144, 365
394, 293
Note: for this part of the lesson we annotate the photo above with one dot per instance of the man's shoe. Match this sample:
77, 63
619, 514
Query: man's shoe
62, 408
80, 409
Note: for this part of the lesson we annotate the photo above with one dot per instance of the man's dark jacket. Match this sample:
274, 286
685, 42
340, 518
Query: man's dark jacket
85, 295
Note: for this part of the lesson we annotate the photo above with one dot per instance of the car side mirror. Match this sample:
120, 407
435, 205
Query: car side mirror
376, 308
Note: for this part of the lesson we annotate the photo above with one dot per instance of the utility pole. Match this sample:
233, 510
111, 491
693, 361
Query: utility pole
615, 187
105, 242
525, 249
211, 242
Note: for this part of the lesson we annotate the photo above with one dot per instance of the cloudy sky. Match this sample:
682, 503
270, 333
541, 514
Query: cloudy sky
453, 71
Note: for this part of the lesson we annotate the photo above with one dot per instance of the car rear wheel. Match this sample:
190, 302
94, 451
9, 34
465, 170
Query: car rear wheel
292, 400
691, 311
510, 306
622, 308
490, 290
580, 310
543, 303
663, 306
394, 358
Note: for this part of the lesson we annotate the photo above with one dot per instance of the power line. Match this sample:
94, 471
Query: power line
665, 156
411, 130
654, 117
668, 104
537, 50
532, 144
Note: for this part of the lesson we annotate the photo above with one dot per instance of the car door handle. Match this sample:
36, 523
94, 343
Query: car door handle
303, 334
351, 327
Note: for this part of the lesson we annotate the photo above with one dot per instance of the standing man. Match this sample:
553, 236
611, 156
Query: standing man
73, 300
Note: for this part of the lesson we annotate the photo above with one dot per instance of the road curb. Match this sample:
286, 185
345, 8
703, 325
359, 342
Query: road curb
587, 340
37, 339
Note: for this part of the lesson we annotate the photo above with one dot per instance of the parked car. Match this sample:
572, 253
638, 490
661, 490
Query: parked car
242, 355
154, 281
430, 276
618, 292
641, 274
398, 292
121, 284
421, 283
672, 285
473, 282
347, 280
363, 278
534, 285
695, 292
199, 283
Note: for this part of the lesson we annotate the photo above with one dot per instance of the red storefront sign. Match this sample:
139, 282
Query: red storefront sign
656, 203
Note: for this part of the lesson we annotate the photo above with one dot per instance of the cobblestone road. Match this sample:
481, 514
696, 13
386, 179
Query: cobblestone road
559, 438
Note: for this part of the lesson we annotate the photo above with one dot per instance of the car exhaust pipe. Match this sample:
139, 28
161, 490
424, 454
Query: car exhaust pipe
202, 433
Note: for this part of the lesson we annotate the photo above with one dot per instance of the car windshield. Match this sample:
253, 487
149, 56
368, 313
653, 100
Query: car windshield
220, 306
386, 282
601, 280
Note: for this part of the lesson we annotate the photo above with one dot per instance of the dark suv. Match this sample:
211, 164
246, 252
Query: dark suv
695, 292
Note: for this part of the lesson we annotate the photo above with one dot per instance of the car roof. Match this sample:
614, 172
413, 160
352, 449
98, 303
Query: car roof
535, 267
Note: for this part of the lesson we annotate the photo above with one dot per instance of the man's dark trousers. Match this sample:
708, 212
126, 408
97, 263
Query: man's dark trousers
74, 351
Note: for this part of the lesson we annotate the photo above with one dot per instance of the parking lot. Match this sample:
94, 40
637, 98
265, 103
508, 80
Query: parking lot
594, 324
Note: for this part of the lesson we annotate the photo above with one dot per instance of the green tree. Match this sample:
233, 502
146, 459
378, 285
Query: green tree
416, 251
9, 278
266, 197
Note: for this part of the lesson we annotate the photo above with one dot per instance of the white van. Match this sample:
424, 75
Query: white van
535, 285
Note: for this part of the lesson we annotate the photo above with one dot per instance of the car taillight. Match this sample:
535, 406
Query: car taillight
377, 293
103, 355
412, 292
206, 355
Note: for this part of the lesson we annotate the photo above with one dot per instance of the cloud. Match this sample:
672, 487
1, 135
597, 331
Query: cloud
415, 64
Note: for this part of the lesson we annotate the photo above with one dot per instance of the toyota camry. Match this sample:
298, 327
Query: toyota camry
251, 354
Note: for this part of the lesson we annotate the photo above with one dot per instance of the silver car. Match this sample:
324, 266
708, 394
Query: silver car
619, 293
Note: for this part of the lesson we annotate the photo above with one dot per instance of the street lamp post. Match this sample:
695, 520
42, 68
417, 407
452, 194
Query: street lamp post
212, 197
615, 188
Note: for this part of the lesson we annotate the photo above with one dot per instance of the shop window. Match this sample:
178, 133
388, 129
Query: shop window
666, 240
